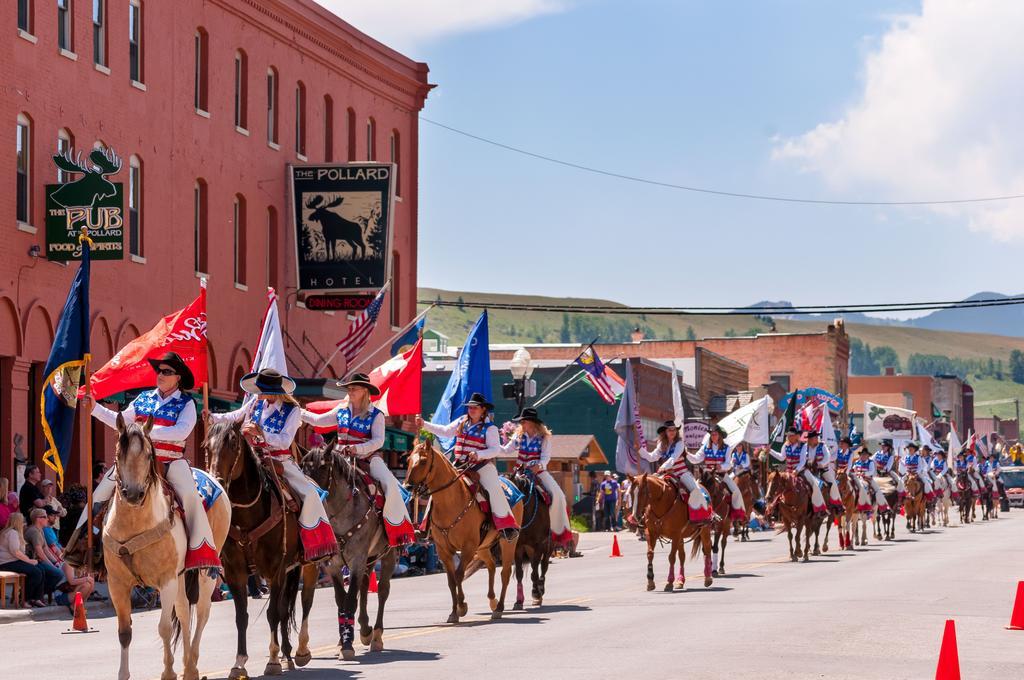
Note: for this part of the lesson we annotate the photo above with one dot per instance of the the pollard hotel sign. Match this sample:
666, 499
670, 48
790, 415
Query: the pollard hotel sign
89, 202
342, 217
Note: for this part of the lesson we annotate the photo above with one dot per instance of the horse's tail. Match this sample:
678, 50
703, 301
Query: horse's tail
286, 602
698, 543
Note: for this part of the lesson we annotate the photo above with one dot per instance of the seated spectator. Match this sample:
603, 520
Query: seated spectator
29, 496
50, 500
76, 581
13, 558
46, 560
73, 500
8, 501
50, 534
423, 555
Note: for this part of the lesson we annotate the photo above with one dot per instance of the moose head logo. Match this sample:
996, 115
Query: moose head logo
93, 186
335, 227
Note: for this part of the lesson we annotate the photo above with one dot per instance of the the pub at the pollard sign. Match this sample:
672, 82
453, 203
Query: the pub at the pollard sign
90, 202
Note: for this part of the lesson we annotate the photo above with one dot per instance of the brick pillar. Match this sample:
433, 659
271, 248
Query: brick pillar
14, 383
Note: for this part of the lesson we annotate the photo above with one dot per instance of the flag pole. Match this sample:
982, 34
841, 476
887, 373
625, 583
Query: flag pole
337, 348
569, 365
561, 388
206, 383
87, 435
391, 339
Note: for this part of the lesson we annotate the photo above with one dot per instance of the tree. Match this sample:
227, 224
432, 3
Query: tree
885, 356
861, 361
730, 333
565, 336
1017, 366
461, 302
690, 335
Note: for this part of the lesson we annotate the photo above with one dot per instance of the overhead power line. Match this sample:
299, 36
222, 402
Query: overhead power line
730, 311
714, 192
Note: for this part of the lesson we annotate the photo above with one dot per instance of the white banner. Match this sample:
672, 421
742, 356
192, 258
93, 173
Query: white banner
749, 424
888, 422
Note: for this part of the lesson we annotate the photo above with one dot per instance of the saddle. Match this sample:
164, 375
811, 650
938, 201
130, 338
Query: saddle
537, 487
275, 473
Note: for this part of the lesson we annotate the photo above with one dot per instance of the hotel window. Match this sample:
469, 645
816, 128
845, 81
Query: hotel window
782, 379
371, 137
65, 142
350, 122
99, 32
396, 299
239, 223
241, 90
328, 129
271, 106
64, 25
272, 246
23, 177
135, 206
202, 41
199, 225
25, 15
396, 154
135, 41
300, 119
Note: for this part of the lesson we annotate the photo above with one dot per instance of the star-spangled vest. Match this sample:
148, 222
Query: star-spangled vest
939, 466
740, 460
792, 452
882, 460
274, 423
819, 453
983, 467
530, 448
961, 465
843, 457
714, 458
862, 468
166, 415
678, 464
912, 462
471, 439
355, 429
971, 460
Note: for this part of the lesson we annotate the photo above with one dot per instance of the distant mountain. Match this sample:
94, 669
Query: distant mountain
1008, 320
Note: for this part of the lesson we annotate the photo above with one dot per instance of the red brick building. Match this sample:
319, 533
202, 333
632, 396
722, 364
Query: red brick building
935, 398
206, 102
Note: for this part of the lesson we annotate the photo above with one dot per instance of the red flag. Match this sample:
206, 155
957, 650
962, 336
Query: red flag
400, 380
183, 332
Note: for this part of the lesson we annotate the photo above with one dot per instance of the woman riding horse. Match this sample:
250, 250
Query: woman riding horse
795, 455
670, 448
360, 436
715, 458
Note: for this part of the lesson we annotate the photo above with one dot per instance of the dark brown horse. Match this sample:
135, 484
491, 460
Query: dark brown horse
534, 542
263, 539
965, 498
721, 502
362, 540
915, 505
789, 499
664, 515
885, 520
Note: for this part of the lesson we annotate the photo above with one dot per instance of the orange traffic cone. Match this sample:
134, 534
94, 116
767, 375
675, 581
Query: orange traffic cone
1017, 617
80, 625
373, 581
615, 547
949, 659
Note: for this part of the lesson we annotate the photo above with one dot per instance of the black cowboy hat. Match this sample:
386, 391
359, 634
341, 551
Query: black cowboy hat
913, 445
925, 446
940, 452
794, 430
667, 424
718, 429
863, 448
174, 360
528, 414
360, 380
887, 442
847, 441
267, 382
477, 399
813, 433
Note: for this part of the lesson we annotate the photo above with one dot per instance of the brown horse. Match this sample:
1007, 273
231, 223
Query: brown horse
885, 522
789, 497
915, 505
263, 540
534, 543
664, 515
965, 495
457, 526
848, 521
144, 543
721, 502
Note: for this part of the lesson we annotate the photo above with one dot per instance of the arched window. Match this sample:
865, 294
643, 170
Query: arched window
23, 177
239, 219
202, 56
300, 118
350, 123
371, 139
65, 143
135, 241
199, 225
272, 86
273, 243
241, 90
328, 129
396, 158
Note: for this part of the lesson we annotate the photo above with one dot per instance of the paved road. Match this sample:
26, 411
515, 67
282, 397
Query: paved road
876, 613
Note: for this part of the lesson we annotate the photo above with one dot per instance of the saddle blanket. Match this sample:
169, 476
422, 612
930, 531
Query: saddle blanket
512, 494
208, 488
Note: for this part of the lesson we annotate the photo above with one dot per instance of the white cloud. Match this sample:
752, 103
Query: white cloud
407, 24
939, 116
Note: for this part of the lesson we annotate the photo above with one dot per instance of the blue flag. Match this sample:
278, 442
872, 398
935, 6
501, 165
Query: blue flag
64, 372
472, 373
408, 338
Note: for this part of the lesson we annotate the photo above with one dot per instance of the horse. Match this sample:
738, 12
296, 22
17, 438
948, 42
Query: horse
459, 525
790, 495
885, 521
144, 542
534, 541
915, 504
943, 502
966, 493
721, 502
263, 540
988, 501
667, 516
362, 540
848, 519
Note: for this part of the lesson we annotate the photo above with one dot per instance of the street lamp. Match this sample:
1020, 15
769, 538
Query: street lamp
521, 368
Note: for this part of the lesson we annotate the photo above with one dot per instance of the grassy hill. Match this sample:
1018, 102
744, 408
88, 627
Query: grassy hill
510, 326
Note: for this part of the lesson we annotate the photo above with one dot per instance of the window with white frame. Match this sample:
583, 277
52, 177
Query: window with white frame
239, 224
135, 206
25, 15
271, 105
65, 142
23, 176
135, 41
65, 25
300, 118
99, 32
202, 51
241, 90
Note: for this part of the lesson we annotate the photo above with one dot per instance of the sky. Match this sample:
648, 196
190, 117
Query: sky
872, 100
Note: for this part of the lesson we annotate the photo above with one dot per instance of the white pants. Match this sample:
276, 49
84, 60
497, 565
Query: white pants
901, 488
312, 511
833, 490
495, 490
697, 500
179, 474
925, 481
737, 497
975, 480
817, 500
559, 518
993, 483
879, 496
395, 511
862, 489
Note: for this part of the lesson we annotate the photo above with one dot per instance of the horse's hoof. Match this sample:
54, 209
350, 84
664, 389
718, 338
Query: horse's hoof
492, 603
824, 548
463, 609
668, 587
815, 553
364, 638
680, 585
347, 655
495, 615
714, 572
301, 659
806, 558
272, 669
650, 585
238, 674
794, 558
291, 664
377, 645
518, 606
538, 601
453, 618
708, 581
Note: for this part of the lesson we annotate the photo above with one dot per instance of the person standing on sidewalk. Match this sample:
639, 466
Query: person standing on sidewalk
608, 492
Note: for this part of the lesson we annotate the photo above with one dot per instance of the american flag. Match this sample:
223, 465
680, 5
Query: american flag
605, 381
361, 328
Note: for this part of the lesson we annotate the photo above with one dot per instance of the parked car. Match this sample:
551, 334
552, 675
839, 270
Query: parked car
1013, 481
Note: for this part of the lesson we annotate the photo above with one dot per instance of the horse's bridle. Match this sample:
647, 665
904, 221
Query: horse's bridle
421, 488
153, 474
240, 453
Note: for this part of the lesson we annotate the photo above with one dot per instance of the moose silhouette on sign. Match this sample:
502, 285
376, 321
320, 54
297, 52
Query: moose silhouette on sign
93, 185
336, 228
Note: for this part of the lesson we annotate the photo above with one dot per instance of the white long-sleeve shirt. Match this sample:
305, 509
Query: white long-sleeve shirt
659, 451
512, 449
275, 440
172, 434
493, 443
378, 428
781, 455
701, 456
